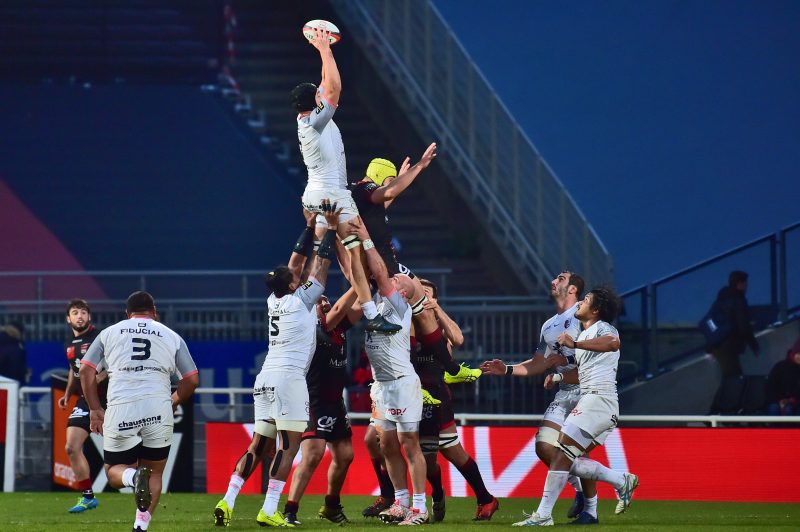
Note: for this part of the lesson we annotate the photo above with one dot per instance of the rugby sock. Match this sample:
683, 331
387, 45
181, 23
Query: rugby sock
575, 482
402, 497
332, 501
469, 470
419, 502
234, 486
588, 468
86, 488
274, 490
590, 506
435, 478
127, 477
370, 310
387, 490
142, 520
291, 507
553, 486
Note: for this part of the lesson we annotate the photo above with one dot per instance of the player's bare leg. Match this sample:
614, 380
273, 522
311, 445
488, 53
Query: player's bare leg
584, 489
145, 477
76, 436
260, 447
286, 447
384, 500
341, 458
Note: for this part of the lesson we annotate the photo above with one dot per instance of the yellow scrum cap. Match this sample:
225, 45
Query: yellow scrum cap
381, 169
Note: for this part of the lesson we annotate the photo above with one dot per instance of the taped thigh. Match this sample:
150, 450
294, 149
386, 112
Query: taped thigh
547, 435
266, 429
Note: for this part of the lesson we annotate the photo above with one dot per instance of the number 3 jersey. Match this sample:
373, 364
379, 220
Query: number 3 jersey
141, 354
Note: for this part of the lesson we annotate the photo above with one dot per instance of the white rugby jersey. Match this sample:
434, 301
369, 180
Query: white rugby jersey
390, 354
597, 371
322, 148
292, 328
551, 330
141, 354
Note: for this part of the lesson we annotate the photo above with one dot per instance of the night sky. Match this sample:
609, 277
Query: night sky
674, 125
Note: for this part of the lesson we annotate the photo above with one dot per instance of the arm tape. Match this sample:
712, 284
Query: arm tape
326, 250
304, 242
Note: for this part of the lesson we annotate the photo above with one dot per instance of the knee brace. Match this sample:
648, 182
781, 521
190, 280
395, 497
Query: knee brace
547, 435
572, 451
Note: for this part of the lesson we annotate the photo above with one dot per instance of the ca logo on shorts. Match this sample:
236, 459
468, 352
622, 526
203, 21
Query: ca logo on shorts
326, 423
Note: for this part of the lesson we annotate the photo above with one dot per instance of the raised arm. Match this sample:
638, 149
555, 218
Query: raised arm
340, 310
388, 193
374, 261
304, 245
327, 248
450, 328
331, 80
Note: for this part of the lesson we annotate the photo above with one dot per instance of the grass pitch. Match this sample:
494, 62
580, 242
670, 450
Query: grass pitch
33, 512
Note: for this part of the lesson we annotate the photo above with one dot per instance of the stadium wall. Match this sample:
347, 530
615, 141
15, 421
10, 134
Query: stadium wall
689, 464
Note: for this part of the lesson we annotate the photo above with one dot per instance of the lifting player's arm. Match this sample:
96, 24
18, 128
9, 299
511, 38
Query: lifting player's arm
88, 376
449, 327
602, 344
343, 308
374, 261
304, 245
190, 379
331, 83
388, 193
567, 377
327, 248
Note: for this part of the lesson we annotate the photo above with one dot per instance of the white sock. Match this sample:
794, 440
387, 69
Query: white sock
234, 486
274, 490
575, 482
419, 502
588, 468
402, 496
553, 486
142, 520
127, 477
370, 310
590, 506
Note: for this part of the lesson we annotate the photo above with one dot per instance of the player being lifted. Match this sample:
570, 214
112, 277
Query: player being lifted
79, 318
323, 153
595, 415
141, 354
565, 290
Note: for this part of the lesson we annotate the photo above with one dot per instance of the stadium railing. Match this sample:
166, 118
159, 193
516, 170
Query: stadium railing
34, 439
659, 322
524, 206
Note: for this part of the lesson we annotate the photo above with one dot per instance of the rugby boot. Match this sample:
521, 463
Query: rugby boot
428, 399
439, 510
485, 511
578, 504
585, 518
141, 489
379, 324
465, 374
625, 493
222, 514
373, 510
291, 518
396, 513
275, 519
333, 514
414, 517
534, 520
84, 504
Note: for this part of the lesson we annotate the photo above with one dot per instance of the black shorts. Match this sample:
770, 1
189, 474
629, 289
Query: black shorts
80, 415
392, 266
134, 454
328, 422
435, 418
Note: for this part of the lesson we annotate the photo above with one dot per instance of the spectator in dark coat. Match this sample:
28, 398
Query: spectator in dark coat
13, 358
732, 306
783, 385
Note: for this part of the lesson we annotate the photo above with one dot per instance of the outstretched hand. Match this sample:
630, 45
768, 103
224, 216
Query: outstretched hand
331, 213
310, 217
493, 367
428, 156
321, 40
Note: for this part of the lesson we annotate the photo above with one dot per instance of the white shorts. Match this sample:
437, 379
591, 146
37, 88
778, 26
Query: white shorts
595, 415
562, 405
281, 396
398, 401
147, 421
312, 202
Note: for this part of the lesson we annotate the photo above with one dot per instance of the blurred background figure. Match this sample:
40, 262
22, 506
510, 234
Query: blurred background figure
13, 358
783, 385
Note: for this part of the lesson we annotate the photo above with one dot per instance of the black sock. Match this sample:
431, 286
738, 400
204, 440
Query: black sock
387, 489
472, 475
291, 507
437, 491
88, 494
332, 501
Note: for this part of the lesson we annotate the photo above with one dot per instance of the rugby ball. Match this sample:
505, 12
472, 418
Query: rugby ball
308, 30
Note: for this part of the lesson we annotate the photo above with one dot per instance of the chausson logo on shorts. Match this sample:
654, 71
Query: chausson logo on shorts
143, 422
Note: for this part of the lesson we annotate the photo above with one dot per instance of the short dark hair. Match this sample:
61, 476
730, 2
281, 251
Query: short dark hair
304, 97
606, 302
736, 277
79, 304
576, 281
140, 302
432, 286
278, 280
